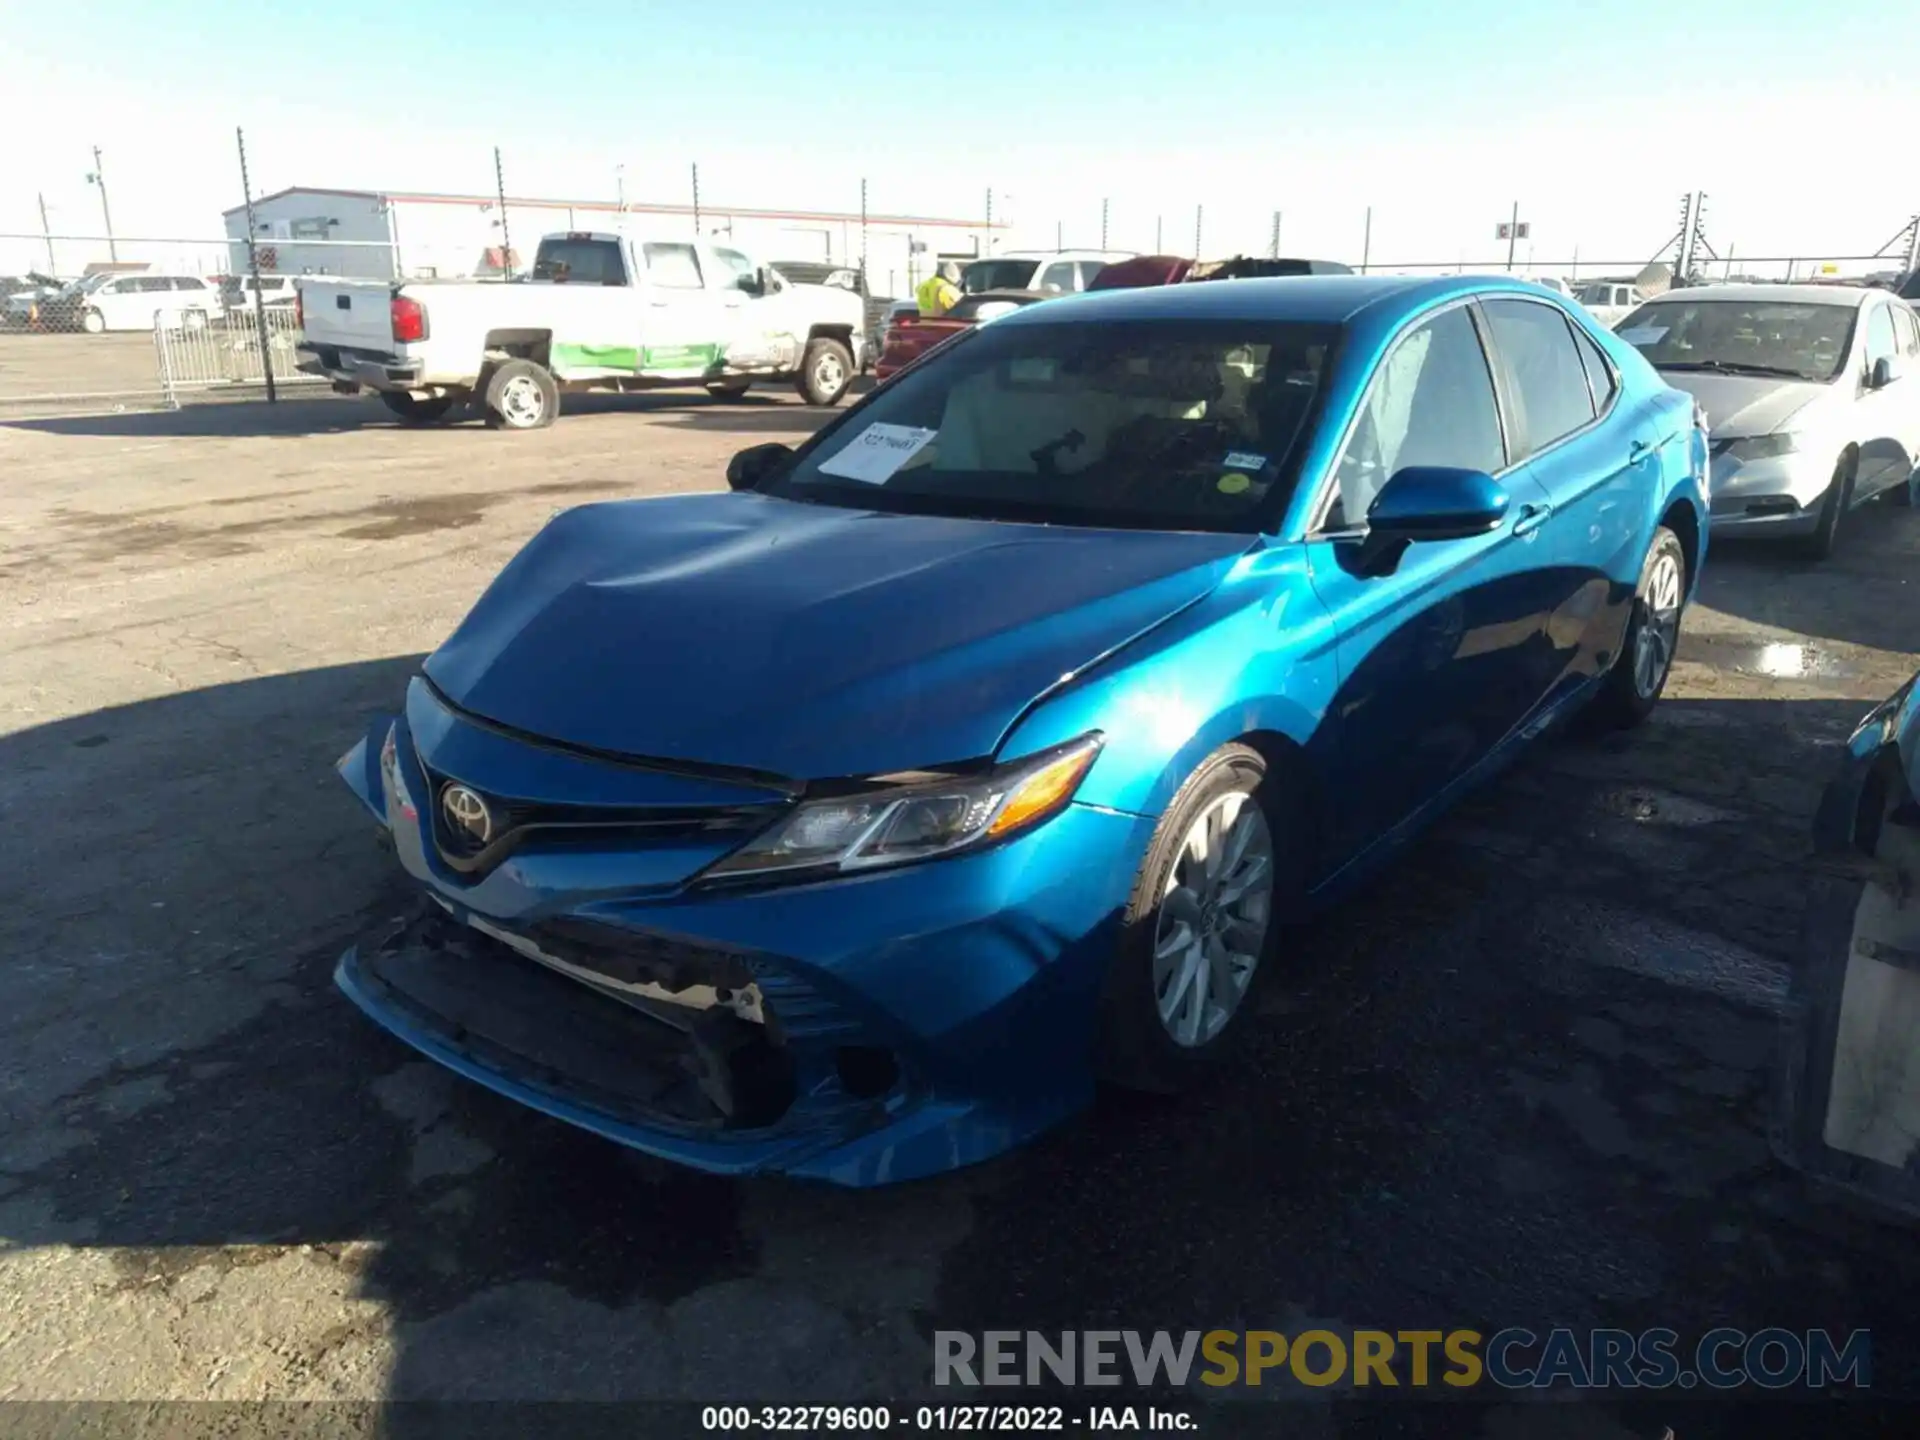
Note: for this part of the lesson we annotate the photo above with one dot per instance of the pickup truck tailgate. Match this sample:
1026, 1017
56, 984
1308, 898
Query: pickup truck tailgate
350, 314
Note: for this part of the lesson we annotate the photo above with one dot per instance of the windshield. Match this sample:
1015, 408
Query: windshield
1794, 341
1168, 425
998, 275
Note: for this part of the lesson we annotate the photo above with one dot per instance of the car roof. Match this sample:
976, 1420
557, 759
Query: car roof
1842, 295
1325, 299
1108, 255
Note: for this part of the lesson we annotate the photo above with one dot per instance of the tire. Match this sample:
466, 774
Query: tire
1821, 544
521, 395
730, 389
1904, 496
416, 412
93, 322
1639, 674
826, 370
1154, 975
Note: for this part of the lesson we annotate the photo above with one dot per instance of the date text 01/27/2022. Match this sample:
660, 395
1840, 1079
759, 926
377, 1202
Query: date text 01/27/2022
876, 1419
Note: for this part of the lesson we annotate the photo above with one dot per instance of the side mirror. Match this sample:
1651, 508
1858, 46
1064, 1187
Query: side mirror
1883, 373
1429, 502
753, 284
754, 464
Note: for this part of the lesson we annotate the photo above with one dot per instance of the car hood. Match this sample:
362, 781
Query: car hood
1745, 404
808, 641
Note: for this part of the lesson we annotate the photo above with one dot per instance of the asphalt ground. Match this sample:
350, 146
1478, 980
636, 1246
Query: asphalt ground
1523, 1080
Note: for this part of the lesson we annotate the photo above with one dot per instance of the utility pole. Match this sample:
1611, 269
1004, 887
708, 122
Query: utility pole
1157, 246
1059, 236
1198, 210
1513, 235
1103, 224
1366, 242
99, 177
500, 194
253, 265
1274, 248
863, 235
987, 240
696, 199
620, 186
46, 231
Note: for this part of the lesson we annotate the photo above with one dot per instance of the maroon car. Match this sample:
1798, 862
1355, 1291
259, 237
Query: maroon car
912, 336
1146, 270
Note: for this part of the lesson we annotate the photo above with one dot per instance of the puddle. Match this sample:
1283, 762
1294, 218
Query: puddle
1773, 659
1659, 807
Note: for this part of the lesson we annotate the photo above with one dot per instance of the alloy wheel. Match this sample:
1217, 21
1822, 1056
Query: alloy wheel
1659, 633
1213, 919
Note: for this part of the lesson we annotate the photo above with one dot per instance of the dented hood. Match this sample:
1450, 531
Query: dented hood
805, 640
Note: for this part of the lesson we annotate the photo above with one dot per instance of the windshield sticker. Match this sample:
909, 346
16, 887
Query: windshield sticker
877, 452
1242, 460
1644, 334
1234, 483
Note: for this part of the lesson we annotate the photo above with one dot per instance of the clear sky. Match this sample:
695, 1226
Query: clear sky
1797, 119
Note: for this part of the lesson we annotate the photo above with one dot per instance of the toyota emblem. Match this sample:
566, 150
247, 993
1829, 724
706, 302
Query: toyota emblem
467, 814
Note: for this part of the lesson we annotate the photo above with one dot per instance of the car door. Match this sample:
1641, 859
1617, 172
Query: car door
1558, 392
119, 303
681, 314
745, 317
1881, 415
1438, 659
1906, 329
1056, 278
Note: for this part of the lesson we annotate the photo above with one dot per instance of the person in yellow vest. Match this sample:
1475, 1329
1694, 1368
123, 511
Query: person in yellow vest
940, 291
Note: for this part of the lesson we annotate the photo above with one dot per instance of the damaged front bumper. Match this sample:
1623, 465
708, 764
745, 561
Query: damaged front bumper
860, 1029
1849, 1110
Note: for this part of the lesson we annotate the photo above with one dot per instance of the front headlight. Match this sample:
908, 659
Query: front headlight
919, 821
1764, 447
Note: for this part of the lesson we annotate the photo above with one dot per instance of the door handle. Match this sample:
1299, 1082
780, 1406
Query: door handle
1531, 518
1637, 451
657, 304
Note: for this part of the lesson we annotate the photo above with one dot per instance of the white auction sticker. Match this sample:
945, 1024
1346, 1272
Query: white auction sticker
877, 452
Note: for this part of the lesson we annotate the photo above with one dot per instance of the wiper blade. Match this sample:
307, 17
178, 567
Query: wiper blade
1736, 367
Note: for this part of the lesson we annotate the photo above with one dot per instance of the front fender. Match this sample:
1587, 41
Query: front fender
1257, 655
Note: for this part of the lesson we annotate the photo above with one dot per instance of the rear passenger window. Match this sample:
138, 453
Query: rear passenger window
1907, 330
1546, 380
1599, 373
673, 266
1057, 278
1430, 403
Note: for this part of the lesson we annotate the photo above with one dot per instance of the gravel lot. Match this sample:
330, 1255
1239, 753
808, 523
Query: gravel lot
1522, 1081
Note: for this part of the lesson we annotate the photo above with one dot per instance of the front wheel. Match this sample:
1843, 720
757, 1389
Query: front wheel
521, 395
1218, 875
1825, 538
730, 389
826, 370
1639, 674
93, 322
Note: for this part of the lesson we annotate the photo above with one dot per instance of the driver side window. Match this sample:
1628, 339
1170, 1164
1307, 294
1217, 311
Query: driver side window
1430, 403
737, 269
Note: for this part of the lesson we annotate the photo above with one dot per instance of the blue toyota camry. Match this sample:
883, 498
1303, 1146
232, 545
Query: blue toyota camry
852, 824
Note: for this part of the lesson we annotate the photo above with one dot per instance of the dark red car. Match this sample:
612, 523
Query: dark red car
1145, 270
911, 336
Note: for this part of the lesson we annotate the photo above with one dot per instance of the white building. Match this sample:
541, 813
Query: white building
375, 235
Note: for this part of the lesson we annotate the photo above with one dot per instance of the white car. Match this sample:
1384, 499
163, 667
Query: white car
600, 310
1051, 272
1555, 284
139, 302
1811, 393
273, 290
1609, 300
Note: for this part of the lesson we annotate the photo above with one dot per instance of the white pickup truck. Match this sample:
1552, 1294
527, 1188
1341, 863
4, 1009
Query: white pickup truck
600, 311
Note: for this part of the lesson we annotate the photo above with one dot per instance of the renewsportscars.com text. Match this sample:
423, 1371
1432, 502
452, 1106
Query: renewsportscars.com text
1514, 1359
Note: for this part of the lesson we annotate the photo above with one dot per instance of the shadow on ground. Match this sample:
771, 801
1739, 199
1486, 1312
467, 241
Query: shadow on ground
1521, 1081
1835, 599
770, 408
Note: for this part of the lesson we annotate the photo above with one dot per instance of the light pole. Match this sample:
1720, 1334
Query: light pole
46, 232
98, 176
1513, 234
620, 186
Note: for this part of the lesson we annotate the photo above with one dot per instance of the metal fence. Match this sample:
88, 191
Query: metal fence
246, 347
